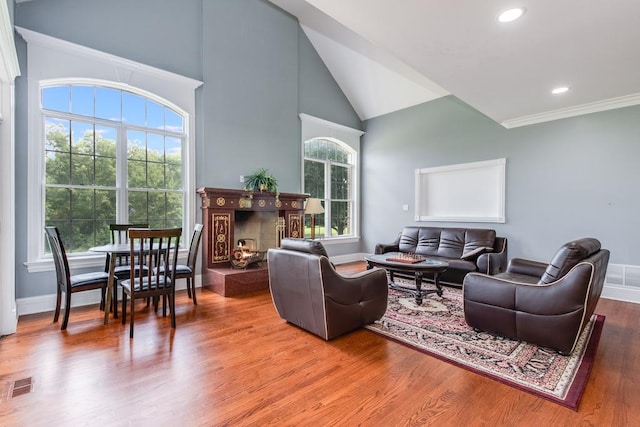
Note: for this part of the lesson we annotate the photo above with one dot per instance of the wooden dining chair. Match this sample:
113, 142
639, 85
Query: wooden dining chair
156, 248
67, 283
188, 270
120, 235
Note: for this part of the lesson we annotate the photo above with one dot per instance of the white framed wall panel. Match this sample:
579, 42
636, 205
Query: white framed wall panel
468, 192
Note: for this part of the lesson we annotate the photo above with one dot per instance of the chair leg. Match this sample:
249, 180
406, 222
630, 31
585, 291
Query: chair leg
192, 284
102, 298
172, 307
114, 299
124, 308
131, 321
58, 302
164, 305
67, 309
189, 287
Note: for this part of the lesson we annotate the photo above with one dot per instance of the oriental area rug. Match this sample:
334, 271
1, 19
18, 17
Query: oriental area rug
438, 328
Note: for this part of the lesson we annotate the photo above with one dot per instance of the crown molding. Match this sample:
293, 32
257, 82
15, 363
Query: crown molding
593, 107
9, 66
311, 119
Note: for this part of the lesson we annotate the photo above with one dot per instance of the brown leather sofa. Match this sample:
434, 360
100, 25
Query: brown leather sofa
543, 304
465, 249
308, 292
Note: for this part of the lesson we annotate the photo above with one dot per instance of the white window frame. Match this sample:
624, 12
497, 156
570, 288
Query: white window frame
51, 59
314, 128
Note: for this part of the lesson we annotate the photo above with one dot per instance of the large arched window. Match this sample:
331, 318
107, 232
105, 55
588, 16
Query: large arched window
329, 176
109, 139
111, 156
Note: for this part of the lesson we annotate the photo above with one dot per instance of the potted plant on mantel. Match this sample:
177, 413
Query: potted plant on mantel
261, 180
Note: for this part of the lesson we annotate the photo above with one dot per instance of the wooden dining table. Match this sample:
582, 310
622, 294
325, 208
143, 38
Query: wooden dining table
112, 250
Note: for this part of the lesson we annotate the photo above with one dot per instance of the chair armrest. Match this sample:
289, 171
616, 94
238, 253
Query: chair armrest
382, 248
359, 287
494, 262
489, 290
526, 266
562, 296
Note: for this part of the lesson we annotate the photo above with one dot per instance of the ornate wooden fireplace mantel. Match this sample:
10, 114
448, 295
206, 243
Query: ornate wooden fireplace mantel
219, 207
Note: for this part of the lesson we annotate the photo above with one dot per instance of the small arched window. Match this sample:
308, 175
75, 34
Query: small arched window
329, 166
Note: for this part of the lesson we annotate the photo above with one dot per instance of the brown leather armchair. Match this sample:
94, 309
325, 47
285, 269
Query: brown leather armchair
308, 292
543, 304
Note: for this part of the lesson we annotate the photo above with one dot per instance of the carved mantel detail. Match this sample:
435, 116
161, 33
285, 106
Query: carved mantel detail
219, 206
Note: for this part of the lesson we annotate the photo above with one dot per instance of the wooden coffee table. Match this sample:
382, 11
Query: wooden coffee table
418, 269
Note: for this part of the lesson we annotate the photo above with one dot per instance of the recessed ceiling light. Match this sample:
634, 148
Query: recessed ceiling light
511, 14
559, 90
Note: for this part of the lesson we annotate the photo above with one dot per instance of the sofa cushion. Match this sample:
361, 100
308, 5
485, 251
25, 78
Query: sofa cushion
454, 243
476, 242
408, 241
457, 264
567, 257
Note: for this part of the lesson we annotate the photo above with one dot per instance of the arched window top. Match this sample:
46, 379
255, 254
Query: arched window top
109, 102
330, 149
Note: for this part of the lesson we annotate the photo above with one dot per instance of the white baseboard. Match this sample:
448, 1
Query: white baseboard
621, 293
345, 259
44, 303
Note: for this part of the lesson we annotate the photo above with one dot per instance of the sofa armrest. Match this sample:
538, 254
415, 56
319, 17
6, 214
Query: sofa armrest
494, 262
526, 266
383, 248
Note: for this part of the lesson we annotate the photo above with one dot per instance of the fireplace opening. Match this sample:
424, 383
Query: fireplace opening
255, 232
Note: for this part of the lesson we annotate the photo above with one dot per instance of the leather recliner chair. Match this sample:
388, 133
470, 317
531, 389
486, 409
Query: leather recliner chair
543, 304
308, 292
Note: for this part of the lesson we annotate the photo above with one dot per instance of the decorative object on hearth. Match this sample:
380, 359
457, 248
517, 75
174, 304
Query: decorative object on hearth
246, 254
437, 328
313, 208
261, 180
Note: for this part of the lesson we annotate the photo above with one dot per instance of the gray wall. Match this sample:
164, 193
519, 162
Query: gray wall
163, 33
565, 179
320, 96
258, 69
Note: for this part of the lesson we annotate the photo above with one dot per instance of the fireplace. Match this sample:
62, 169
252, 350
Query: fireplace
255, 233
258, 218
261, 227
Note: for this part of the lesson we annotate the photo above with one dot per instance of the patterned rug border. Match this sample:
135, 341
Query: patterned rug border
575, 391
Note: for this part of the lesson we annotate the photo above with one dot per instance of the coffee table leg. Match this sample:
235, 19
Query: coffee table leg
418, 287
436, 280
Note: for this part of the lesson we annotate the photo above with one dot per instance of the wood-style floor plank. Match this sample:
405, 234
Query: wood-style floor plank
233, 361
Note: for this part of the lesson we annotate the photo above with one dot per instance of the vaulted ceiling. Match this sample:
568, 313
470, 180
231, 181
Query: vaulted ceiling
389, 55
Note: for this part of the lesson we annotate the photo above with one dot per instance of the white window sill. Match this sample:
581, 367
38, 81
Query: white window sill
338, 240
87, 260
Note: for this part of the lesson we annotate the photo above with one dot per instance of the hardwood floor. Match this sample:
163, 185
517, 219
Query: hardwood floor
233, 361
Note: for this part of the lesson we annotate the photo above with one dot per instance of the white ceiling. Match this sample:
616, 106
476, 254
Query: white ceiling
388, 55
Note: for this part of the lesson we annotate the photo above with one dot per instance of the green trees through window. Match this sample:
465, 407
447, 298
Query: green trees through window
110, 156
328, 175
